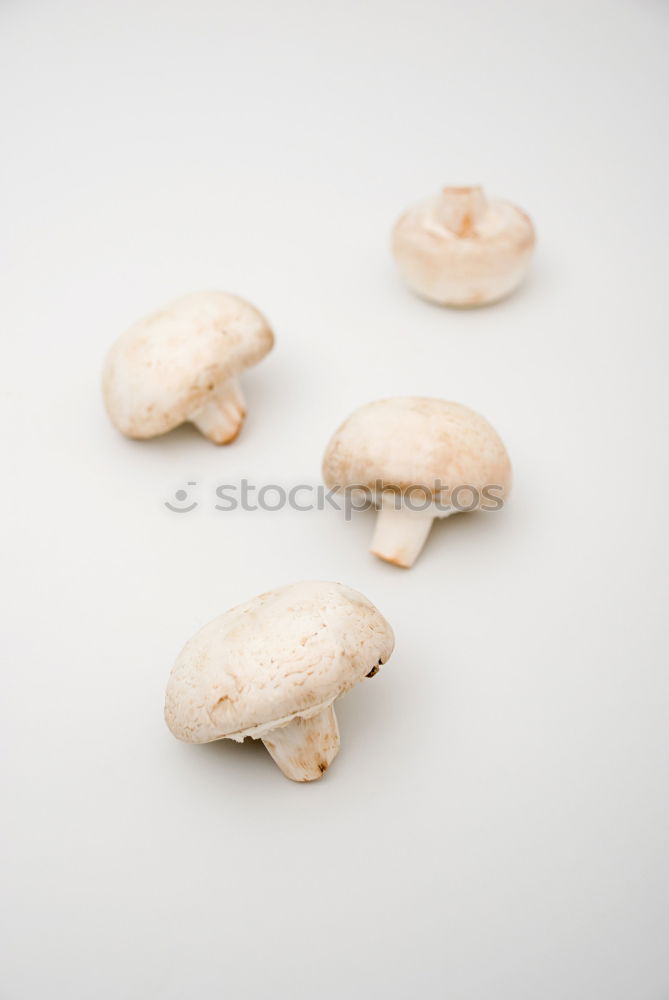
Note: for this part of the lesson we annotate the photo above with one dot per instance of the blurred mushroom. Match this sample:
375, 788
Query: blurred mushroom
182, 364
459, 249
413, 458
272, 668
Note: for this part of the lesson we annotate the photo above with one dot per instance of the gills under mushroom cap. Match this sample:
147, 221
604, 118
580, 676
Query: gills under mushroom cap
180, 364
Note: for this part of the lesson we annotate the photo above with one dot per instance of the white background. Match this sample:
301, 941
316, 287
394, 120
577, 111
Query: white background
495, 826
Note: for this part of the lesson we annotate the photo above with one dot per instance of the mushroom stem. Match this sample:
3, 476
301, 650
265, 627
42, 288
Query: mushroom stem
221, 418
461, 208
400, 533
305, 748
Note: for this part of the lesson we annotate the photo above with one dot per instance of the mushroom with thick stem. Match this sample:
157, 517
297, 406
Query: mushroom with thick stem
271, 670
182, 364
415, 459
461, 249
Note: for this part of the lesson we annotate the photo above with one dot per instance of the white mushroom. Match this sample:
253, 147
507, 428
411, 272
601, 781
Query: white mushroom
182, 364
272, 668
460, 249
417, 460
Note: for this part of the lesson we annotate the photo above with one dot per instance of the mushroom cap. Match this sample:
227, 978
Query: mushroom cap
411, 441
168, 365
286, 653
483, 262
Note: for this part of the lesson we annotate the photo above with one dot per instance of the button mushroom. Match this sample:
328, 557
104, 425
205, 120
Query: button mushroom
272, 668
417, 459
182, 364
460, 249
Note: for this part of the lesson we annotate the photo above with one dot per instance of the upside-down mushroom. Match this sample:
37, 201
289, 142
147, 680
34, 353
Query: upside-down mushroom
461, 249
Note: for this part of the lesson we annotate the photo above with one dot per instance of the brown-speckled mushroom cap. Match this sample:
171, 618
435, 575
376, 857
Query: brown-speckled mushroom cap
410, 441
281, 655
168, 365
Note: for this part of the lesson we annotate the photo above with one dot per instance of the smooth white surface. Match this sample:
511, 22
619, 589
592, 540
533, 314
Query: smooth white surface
495, 826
